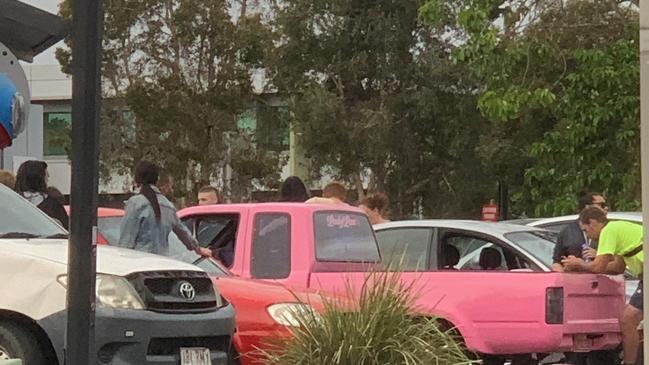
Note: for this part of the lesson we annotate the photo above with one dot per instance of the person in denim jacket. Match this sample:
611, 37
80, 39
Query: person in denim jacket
150, 217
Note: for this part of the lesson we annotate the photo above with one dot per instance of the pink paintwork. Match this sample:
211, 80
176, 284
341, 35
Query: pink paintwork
495, 312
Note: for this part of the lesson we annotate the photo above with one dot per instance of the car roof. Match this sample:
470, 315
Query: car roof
619, 216
109, 212
493, 228
229, 208
103, 212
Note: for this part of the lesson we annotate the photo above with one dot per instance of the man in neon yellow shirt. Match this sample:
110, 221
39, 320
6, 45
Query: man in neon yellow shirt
620, 245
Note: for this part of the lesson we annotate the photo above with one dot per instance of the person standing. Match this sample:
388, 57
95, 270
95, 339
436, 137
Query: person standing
375, 206
150, 217
620, 245
333, 193
572, 240
293, 190
208, 195
31, 183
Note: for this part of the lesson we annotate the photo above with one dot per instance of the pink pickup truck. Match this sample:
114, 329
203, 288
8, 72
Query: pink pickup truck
496, 312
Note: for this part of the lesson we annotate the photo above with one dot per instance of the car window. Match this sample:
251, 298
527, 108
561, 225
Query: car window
178, 251
478, 252
21, 218
344, 237
538, 244
216, 230
211, 267
470, 250
110, 227
271, 246
408, 249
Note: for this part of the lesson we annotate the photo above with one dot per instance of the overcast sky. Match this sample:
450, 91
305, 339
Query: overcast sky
51, 6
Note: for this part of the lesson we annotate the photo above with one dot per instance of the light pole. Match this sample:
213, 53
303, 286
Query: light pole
644, 141
87, 18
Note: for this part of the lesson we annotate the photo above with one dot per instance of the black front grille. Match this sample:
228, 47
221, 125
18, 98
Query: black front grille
171, 346
175, 291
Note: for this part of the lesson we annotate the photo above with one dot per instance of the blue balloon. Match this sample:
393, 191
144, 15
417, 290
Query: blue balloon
7, 92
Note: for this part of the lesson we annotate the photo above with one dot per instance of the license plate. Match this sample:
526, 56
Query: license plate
195, 356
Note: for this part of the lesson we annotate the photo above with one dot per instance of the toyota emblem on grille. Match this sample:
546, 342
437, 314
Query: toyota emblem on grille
187, 290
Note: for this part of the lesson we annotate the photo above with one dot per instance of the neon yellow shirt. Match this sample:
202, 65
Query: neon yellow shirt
620, 238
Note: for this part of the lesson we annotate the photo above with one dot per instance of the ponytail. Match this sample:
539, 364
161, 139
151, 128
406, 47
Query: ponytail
150, 195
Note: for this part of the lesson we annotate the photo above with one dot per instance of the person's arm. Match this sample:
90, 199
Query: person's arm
597, 266
617, 266
187, 239
557, 267
130, 226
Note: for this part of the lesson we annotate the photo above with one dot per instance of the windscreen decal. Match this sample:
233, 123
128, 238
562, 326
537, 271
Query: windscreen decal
341, 221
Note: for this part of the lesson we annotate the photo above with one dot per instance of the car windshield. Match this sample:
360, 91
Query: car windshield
110, 229
21, 219
539, 244
178, 251
344, 237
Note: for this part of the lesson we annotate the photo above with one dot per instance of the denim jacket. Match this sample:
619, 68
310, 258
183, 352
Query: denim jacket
141, 231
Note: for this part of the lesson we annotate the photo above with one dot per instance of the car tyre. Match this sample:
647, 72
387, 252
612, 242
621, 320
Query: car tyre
19, 343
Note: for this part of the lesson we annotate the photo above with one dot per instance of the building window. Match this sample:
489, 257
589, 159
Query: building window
57, 134
273, 127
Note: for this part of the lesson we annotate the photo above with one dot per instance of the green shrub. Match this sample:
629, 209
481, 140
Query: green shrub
379, 327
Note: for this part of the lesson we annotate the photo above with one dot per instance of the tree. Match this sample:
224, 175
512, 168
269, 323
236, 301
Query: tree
374, 96
543, 66
177, 76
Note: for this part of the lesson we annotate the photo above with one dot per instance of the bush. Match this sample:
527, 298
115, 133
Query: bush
382, 330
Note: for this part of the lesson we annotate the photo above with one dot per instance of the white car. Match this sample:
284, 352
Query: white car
556, 224
149, 308
412, 242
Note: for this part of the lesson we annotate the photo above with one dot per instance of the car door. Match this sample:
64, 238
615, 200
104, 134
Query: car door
407, 248
217, 230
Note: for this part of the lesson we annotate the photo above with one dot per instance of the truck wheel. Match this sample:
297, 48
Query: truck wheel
18, 343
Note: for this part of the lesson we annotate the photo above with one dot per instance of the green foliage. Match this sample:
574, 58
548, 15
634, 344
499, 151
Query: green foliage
559, 87
381, 329
182, 69
597, 140
374, 95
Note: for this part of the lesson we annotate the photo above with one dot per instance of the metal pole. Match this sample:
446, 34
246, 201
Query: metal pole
644, 142
86, 92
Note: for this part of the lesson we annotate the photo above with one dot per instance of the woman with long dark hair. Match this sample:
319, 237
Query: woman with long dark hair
31, 183
150, 217
293, 190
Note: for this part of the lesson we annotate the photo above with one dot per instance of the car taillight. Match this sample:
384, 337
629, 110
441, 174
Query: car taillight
554, 305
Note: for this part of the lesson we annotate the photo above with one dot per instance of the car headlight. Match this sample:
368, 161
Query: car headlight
112, 291
292, 314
